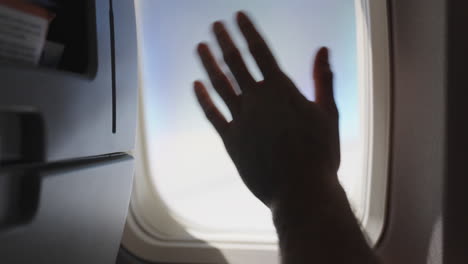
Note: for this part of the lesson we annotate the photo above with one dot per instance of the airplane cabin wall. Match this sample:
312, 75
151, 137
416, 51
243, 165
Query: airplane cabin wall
413, 232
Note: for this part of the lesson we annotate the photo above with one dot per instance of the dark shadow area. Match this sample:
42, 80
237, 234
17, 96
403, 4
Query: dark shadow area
22, 141
71, 27
125, 257
456, 180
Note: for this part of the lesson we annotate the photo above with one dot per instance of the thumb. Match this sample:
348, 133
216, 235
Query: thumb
323, 80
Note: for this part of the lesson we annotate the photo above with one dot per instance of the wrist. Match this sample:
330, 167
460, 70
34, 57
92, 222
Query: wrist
309, 204
307, 192
319, 222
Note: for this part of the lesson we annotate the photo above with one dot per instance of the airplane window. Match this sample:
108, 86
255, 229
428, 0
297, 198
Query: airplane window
188, 166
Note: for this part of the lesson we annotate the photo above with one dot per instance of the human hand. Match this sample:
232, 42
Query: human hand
279, 141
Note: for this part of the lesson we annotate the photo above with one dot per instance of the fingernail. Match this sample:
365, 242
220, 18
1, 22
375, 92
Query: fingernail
242, 17
218, 26
201, 47
325, 53
197, 85
323, 56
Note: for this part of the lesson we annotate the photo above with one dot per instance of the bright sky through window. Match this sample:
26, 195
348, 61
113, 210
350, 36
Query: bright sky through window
190, 168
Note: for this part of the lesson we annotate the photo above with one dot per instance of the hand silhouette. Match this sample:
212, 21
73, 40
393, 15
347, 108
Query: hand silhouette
280, 142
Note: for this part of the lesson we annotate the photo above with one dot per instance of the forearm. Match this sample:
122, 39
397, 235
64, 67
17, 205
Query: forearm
320, 229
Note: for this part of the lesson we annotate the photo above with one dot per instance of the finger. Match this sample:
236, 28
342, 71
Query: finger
233, 57
323, 79
211, 111
257, 46
217, 77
